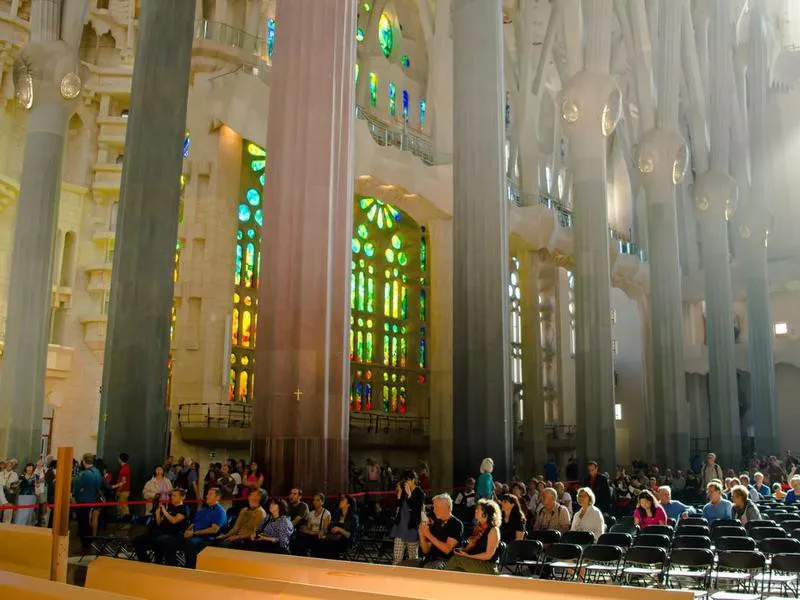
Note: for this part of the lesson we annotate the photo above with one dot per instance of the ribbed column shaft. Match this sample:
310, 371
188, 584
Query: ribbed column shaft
721, 86
482, 417
45, 20
597, 19
669, 63
534, 450
758, 82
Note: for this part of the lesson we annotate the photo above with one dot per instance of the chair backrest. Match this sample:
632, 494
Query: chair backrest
762, 533
652, 539
770, 546
659, 529
626, 520
500, 554
780, 518
735, 543
600, 553
691, 557
760, 523
691, 541
625, 528
741, 560
623, 540
694, 530
728, 531
790, 524
725, 523
786, 563
564, 552
693, 521
646, 555
546, 536
519, 550
582, 538
796, 534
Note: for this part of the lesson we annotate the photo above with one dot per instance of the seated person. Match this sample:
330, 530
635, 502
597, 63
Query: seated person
551, 514
169, 522
341, 531
205, 525
513, 525
588, 517
314, 528
717, 507
247, 522
793, 495
649, 511
478, 556
759, 485
275, 533
298, 510
777, 491
438, 537
675, 510
744, 509
564, 497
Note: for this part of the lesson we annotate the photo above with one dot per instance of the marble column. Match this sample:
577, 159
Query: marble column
534, 442
133, 404
482, 416
751, 247
715, 195
662, 160
47, 84
300, 417
440, 351
590, 109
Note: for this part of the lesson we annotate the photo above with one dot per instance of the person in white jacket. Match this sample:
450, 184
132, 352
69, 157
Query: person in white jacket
588, 518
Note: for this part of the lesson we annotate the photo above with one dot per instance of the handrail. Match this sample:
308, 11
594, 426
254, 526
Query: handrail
226, 35
401, 136
383, 423
220, 415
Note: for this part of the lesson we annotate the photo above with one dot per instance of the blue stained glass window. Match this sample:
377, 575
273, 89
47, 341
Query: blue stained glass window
270, 36
259, 216
187, 141
244, 213
253, 197
405, 106
405, 61
392, 99
423, 109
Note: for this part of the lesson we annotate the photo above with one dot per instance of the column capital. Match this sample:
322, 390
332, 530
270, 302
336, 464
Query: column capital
591, 105
752, 228
715, 196
662, 159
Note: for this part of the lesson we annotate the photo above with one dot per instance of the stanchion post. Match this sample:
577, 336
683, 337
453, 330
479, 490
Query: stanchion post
60, 549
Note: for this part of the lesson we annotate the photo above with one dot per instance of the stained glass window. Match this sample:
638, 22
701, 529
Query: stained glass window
385, 34
515, 297
388, 314
359, 35
246, 273
405, 61
405, 106
357, 72
373, 89
392, 99
571, 310
423, 109
270, 36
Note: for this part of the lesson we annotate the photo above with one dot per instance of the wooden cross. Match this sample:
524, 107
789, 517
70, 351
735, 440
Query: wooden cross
297, 393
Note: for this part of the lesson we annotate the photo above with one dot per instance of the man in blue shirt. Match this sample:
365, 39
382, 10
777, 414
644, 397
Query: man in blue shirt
675, 510
86, 489
760, 486
205, 525
717, 507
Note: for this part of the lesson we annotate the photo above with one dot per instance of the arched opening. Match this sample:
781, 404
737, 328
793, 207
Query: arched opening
102, 4
75, 169
67, 260
107, 50
89, 43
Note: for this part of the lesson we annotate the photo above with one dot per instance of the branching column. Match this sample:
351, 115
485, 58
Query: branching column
47, 83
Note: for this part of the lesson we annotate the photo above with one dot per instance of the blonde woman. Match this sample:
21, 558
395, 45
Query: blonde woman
485, 487
588, 518
478, 555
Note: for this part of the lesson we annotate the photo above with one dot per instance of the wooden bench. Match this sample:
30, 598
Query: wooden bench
412, 583
157, 582
13, 585
26, 550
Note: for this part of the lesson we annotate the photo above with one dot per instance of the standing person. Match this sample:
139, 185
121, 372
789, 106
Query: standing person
122, 486
550, 470
87, 488
41, 492
227, 486
159, 488
410, 504
187, 480
465, 501
255, 479
50, 479
485, 486
711, 471
599, 485
372, 483
8, 481
27, 496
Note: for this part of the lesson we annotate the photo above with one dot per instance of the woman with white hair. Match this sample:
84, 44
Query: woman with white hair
485, 485
588, 518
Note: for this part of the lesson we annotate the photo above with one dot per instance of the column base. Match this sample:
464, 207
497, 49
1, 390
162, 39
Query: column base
313, 464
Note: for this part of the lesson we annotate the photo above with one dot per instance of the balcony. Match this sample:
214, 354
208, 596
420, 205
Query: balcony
381, 430
107, 177
401, 137
112, 131
225, 424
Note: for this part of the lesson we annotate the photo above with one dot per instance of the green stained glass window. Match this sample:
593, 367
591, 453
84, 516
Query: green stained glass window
239, 234
385, 34
369, 249
370, 295
244, 213
357, 73
423, 111
423, 309
270, 37
356, 246
251, 233
389, 255
373, 89
405, 61
402, 259
253, 197
392, 99
359, 35
362, 231
259, 217
396, 242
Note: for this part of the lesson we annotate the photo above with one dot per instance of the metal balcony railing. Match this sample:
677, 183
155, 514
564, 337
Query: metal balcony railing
222, 415
225, 35
401, 137
382, 424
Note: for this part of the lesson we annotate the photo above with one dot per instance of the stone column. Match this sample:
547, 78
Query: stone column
715, 195
751, 246
534, 442
300, 417
47, 84
662, 161
133, 404
440, 302
590, 110
482, 417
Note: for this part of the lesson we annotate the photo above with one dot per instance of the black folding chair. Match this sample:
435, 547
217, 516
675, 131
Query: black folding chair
694, 530
546, 536
693, 521
692, 541
644, 565
659, 530
522, 554
689, 568
785, 572
582, 538
724, 523
562, 560
735, 543
772, 546
623, 540
601, 563
787, 516
737, 571
652, 539
728, 531
790, 525
760, 523
631, 529
763, 533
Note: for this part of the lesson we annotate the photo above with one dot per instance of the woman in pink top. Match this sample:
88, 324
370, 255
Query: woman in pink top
649, 511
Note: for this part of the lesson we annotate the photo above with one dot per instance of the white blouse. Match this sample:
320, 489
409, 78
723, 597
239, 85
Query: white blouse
592, 521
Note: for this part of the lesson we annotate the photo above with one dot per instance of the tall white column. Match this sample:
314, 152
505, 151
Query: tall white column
47, 84
590, 109
534, 442
482, 417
